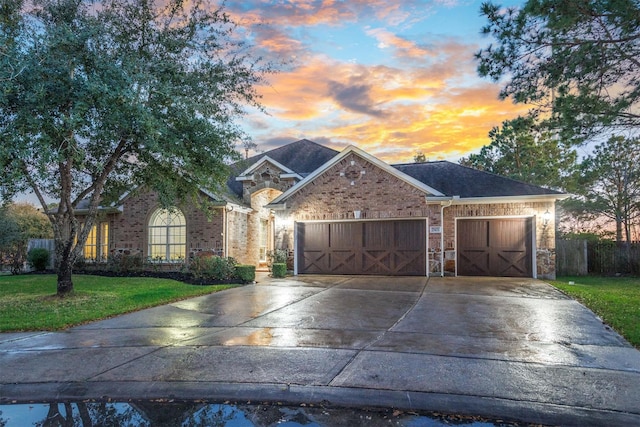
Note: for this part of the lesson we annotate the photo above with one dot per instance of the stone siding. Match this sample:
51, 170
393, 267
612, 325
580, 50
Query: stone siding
266, 176
259, 200
237, 230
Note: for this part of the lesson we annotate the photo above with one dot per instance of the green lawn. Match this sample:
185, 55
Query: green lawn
28, 302
615, 299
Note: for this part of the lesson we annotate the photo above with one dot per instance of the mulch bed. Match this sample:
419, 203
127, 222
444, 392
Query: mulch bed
175, 275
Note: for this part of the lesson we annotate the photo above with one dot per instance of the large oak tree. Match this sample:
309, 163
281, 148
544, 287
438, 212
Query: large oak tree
99, 97
578, 61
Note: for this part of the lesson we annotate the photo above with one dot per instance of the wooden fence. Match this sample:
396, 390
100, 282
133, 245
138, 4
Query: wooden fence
579, 257
48, 244
571, 258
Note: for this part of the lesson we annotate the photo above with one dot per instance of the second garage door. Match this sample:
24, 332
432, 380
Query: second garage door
495, 247
362, 247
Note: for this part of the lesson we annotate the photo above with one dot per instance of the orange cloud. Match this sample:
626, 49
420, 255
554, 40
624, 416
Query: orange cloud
390, 112
421, 96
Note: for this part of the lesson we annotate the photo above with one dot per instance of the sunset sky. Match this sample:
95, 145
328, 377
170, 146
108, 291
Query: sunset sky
391, 77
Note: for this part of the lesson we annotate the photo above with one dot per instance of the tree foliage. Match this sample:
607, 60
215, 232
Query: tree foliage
19, 223
609, 185
419, 157
524, 151
577, 60
100, 98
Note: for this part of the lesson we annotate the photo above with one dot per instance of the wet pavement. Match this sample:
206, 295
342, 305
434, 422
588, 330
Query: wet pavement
514, 349
185, 414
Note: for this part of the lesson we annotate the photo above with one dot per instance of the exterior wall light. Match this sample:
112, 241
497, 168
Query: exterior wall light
546, 217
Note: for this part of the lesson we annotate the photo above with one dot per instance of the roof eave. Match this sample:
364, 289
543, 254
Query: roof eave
504, 199
368, 157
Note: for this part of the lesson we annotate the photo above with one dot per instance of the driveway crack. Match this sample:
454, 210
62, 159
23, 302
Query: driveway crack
381, 335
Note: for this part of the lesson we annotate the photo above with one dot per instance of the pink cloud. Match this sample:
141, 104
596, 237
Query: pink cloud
404, 47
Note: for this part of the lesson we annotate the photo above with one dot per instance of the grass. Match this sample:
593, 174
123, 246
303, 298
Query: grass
29, 303
615, 299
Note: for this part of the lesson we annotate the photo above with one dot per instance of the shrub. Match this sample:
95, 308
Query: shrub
279, 269
123, 262
80, 263
278, 256
246, 273
213, 268
38, 258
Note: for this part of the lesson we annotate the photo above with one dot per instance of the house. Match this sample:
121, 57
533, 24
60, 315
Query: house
348, 212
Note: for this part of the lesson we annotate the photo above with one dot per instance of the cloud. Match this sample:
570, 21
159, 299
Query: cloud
275, 40
390, 112
298, 13
354, 97
413, 93
402, 46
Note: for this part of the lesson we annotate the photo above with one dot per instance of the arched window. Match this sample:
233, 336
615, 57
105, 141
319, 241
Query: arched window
167, 235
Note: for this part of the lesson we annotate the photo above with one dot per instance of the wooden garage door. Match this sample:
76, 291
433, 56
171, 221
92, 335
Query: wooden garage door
363, 247
495, 247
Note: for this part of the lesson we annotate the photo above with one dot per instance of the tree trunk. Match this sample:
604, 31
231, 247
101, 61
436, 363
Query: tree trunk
618, 230
65, 284
65, 230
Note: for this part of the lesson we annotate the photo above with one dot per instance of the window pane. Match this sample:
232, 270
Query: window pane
104, 236
89, 251
167, 235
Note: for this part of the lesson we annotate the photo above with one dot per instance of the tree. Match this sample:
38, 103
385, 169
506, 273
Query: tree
96, 100
609, 184
577, 60
524, 151
19, 223
10, 238
420, 157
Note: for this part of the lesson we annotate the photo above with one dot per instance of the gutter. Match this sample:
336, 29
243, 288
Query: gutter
501, 199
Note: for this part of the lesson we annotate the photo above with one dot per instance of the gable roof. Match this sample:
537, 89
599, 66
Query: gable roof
264, 160
302, 157
456, 180
369, 158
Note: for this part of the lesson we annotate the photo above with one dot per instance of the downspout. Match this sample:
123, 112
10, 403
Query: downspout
225, 229
442, 206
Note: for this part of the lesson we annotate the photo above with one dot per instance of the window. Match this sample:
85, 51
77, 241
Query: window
96, 248
90, 251
264, 238
104, 241
167, 235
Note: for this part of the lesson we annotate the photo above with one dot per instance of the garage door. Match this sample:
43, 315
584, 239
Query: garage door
362, 247
495, 247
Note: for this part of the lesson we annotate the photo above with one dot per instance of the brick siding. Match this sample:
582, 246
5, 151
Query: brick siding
128, 230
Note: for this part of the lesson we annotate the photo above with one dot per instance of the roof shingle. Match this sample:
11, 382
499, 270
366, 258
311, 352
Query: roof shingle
457, 180
302, 157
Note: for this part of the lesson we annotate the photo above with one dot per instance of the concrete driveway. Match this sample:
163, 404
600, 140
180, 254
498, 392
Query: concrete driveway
515, 349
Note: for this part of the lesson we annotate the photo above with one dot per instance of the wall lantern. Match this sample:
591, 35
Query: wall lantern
546, 217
